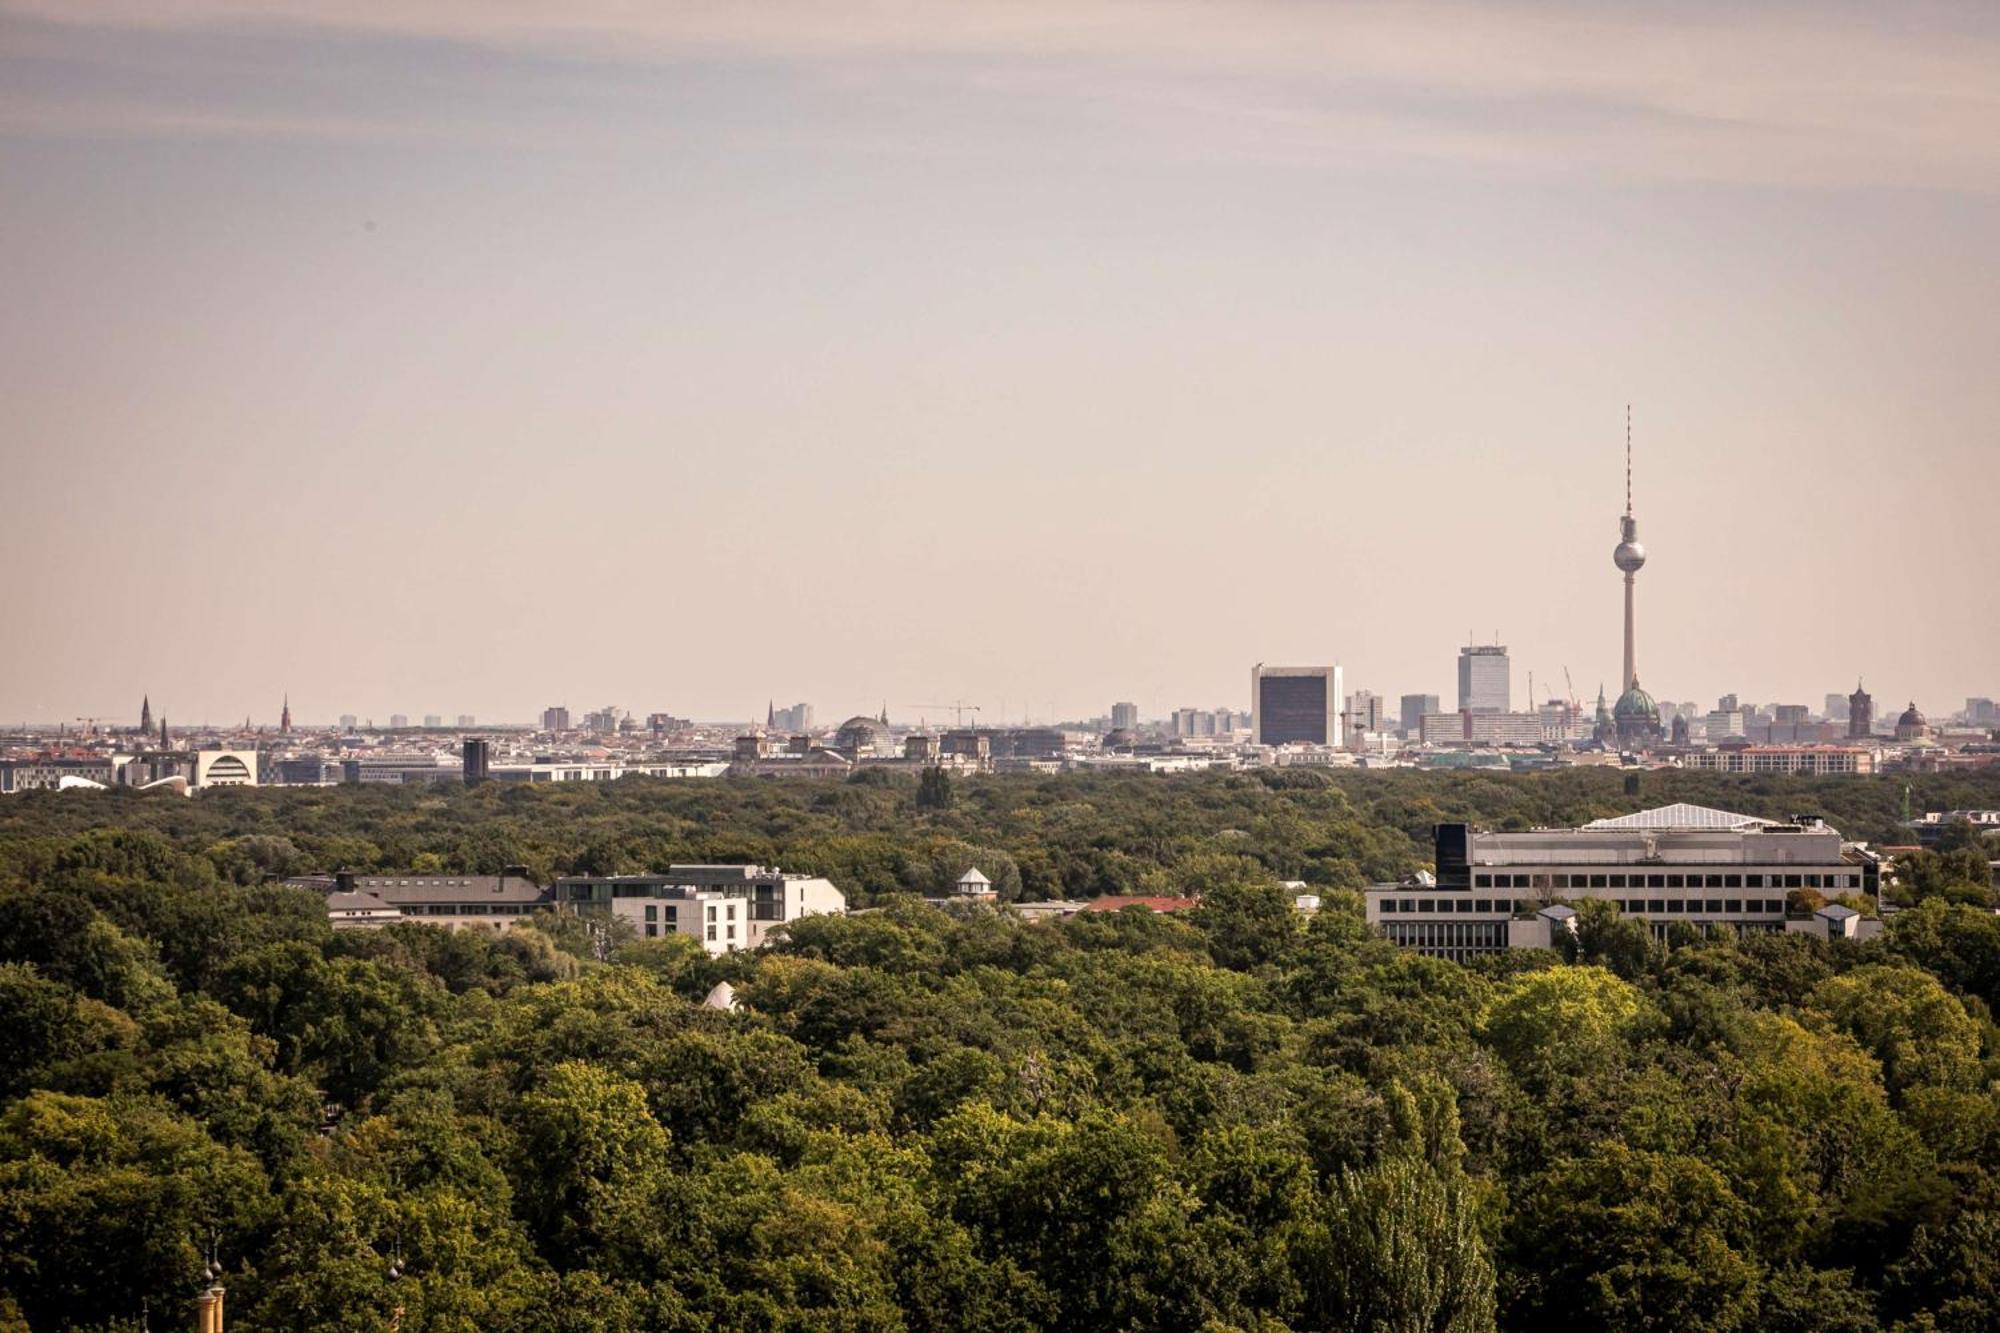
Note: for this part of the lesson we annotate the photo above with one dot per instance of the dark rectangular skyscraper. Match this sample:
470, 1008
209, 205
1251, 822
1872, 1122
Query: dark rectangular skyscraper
1296, 705
478, 761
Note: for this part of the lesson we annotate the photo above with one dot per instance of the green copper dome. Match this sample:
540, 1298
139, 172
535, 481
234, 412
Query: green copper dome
1636, 703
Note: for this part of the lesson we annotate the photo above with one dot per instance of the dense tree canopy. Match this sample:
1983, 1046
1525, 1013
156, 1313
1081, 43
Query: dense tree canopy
1232, 1119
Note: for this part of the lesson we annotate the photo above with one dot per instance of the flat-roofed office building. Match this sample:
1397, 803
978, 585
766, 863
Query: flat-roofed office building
1485, 679
1296, 705
1708, 868
722, 907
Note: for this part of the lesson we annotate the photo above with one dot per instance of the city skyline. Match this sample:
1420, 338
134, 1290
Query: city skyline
1021, 354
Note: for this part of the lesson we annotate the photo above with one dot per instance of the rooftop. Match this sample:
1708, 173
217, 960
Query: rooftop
1682, 816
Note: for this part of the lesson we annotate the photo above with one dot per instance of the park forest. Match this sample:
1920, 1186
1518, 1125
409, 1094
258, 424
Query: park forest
1234, 1118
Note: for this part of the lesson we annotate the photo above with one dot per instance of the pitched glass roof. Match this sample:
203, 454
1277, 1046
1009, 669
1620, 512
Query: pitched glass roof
1681, 816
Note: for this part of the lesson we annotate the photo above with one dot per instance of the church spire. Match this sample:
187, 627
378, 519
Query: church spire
146, 716
285, 718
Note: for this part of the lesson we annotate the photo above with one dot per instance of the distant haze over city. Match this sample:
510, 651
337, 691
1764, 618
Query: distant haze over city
429, 358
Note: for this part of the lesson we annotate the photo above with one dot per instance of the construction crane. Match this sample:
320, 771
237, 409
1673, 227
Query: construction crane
959, 708
93, 724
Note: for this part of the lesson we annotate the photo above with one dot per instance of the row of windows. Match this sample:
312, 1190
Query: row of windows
672, 914
1634, 906
711, 932
1659, 880
1455, 940
469, 909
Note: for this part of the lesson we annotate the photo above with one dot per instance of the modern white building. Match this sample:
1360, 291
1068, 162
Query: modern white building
1485, 679
1686, 863
721, 907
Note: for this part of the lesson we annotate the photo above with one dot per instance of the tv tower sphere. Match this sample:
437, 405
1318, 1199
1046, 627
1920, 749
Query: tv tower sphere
1630, 555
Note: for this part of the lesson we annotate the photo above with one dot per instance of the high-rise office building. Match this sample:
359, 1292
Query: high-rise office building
1981, 712
1485, 679
465, 720
478, 761
1295, 705
348, 721
555, 719
433, 720
399, 720
1364, 711
1124, 715
1836, 708
1413, 710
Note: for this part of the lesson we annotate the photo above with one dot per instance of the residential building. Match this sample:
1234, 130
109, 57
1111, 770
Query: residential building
1124, 716
398, 721
1413, 710
1364, 711
1679, 863
433, 720
465, 720
555, 719
1295, 705
1808, 760
721, 907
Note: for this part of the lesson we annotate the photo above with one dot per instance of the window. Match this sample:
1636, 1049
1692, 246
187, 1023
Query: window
1732, 881
1408, 904
1656, 905
1676, 905
1734, 906
1427, 904
1597, 881
671, 914
1676, 881
1482, 881
1387, 905
1562, 881
711, 930
732, 932
652, 930
652, 913
1753, 881
1465, 904
1483, 905
1656, 881
1713, 906
1617, 881
711, 916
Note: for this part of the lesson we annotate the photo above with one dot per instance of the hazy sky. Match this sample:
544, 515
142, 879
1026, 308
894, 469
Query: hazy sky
474, 355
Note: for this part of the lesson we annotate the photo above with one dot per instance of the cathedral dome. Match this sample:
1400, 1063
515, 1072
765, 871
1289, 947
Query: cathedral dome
1911, 717
1635, 703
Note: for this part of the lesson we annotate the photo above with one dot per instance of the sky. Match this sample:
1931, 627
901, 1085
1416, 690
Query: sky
471, 356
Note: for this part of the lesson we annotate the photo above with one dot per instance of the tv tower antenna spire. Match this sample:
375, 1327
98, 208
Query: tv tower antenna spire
1628, 458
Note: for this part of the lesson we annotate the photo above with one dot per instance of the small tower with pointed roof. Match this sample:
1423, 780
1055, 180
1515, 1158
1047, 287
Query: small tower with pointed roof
285, 717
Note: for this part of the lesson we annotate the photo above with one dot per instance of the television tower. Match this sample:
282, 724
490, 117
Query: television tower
1630, 557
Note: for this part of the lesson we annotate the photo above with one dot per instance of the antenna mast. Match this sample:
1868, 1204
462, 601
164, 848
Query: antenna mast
1628, 458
